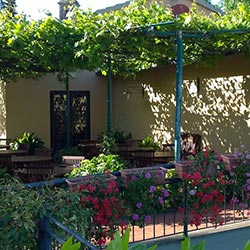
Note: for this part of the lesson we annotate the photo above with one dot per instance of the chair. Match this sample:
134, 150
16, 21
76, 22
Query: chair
190, 143
35, 173
71, 160
143, 157
43, 151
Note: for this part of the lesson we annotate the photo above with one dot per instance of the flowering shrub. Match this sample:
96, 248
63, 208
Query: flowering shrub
144, 199
206, 181
240, 174
97, 165
103, 201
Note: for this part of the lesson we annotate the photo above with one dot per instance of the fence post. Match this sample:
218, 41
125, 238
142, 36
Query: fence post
44, 239
185, 205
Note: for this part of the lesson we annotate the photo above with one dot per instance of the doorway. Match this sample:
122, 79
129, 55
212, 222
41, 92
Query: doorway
79, 120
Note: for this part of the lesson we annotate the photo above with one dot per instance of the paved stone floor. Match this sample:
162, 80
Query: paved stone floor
228, 237
231, 236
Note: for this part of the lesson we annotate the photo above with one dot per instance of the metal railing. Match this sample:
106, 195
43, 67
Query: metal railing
168, 223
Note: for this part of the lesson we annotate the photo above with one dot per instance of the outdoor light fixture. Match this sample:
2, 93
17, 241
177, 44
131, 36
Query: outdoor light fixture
133, 89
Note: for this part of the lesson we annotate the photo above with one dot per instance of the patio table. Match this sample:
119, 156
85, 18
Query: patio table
22, 161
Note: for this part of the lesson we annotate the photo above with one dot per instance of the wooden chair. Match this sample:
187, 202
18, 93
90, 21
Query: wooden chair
143, 157
43, 151
35, 173
190, 143
71, 160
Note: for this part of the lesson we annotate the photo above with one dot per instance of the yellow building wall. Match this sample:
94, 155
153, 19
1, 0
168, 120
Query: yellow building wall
219, 111
28, 104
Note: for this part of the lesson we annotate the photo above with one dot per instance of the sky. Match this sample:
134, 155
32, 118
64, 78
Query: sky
35, 8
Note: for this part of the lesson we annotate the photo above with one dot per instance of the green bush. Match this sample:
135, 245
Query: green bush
149, 142
98, 165
66, 151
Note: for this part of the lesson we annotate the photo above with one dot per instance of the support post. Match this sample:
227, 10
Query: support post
185, 205
67, 112
109, 96
178, 96
43, 235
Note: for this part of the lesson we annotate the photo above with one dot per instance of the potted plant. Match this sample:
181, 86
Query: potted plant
144, 199
157, 173
149, 142
28, 141
206, 180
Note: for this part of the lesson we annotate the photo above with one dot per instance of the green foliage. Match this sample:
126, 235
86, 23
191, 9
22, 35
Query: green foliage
111, 139
19, 210
186, 245
122, 243
150, 143
74, 151
97, 165
231, 5
50, 45
68, 245
247, 245
148, 201
29, 140
108, 145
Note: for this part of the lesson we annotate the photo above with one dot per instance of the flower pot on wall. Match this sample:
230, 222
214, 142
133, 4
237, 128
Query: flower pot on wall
231, 161
182, 167
75, 182
157, 172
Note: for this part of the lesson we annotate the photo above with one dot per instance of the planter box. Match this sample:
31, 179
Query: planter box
231, 161
182, 167
73, 183
157, 172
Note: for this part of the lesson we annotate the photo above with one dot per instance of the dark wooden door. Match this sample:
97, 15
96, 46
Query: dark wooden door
79, 120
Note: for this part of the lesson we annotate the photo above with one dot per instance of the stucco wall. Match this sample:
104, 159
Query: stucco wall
219, 111
28, 104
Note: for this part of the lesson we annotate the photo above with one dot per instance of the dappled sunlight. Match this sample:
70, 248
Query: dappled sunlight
221, 110
216, 108
2, 110
160, 104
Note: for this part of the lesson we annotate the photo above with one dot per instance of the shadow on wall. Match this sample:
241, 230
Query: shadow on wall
2, 109
216, 108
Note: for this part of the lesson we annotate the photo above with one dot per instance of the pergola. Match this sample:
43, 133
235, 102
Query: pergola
179, 36
167, 42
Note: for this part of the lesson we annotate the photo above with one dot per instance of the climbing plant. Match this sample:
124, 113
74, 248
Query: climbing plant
32, 48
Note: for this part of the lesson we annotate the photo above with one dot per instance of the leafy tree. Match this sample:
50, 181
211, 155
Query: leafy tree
87, 41
230, 5
10, 5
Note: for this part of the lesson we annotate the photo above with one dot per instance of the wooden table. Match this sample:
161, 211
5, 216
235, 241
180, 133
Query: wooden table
8, 152
163, 156
4, 146
61, 171
21, 161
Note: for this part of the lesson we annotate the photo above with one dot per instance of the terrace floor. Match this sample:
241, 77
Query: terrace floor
170, 234
227, 237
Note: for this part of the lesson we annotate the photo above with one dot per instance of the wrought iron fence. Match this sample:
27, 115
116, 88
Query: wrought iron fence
52, 233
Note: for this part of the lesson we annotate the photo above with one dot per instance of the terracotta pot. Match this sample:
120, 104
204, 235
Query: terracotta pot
231, 161
157, 172
75, 182
182, 167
